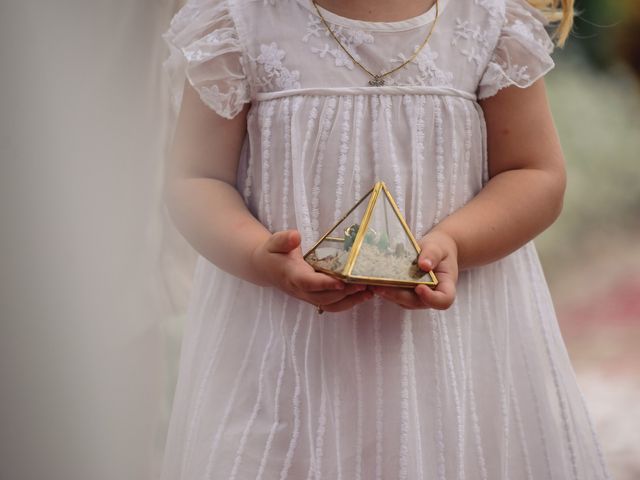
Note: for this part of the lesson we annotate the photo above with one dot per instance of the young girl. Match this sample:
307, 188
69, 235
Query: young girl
291, 111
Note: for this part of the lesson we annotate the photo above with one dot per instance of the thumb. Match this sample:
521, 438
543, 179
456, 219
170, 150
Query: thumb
430, 255
283, 242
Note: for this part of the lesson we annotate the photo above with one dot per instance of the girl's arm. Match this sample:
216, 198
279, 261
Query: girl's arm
527, 182
207, 209
523, 196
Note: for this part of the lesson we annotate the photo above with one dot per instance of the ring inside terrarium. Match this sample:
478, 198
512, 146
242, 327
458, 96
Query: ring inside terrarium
371, 245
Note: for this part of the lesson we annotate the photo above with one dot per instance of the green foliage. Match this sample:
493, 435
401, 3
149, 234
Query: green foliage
597, 31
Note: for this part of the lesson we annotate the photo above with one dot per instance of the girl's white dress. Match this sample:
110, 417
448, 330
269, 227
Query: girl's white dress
268, 389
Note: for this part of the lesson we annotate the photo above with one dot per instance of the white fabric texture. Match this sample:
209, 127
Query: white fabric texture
267, 388
522, 54
205, 48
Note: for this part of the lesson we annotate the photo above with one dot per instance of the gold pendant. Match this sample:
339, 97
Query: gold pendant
376, 81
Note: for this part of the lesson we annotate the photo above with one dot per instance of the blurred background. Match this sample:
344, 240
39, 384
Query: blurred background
591, 255
95, 280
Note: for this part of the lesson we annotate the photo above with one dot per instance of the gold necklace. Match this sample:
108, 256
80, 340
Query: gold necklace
377, 80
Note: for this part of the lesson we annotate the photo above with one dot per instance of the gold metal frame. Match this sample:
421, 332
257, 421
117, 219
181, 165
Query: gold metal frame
346, 273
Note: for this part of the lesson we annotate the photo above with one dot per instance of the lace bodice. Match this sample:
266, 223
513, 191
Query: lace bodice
235, 50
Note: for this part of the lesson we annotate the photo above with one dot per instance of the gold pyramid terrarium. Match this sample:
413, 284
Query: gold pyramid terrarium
371, 244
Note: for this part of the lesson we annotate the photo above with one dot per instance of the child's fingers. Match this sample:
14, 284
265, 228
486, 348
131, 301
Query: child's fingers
402, 296
332, 296
306, 281
422, 296
283, 242
348, 302
431, 255
441, 298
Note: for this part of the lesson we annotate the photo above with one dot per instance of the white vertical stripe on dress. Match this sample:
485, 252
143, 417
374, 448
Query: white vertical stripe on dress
454, 385
276, 401
463, 382
512, 392
287, 164
477, 433
337, 400
416, 403
374, 100
377, 307
256, 406
420, 154
265, 164
296, 397
554, 368
453, 184
467, 152
322, 418
414, 396
325, 128
357, 188
399, 191
410, 113
359, 408
234, 390
497, 370
343, 154
404, 399
521, 434
307, 348
300, 193
536, 405
532, 390
437, 111
435, 327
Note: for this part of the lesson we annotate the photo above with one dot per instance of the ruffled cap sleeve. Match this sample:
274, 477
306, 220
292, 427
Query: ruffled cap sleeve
204, 47
523, 52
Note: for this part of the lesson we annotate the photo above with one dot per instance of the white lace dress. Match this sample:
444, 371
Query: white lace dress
267, 388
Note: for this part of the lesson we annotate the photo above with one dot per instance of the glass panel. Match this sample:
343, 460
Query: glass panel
387, 251
332, 253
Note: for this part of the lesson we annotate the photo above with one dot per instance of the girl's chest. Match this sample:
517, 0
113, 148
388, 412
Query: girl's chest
289, 46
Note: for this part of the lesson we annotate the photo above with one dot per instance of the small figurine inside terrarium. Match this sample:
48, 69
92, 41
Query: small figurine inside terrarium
371, 244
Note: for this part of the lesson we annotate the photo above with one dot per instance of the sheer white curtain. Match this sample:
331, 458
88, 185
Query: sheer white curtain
84, 124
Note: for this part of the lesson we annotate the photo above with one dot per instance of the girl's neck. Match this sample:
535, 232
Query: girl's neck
377, 10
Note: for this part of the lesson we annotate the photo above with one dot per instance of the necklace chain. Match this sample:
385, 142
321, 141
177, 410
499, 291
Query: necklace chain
377, 80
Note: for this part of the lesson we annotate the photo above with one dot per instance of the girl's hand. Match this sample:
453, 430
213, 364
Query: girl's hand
439, 253
279, 260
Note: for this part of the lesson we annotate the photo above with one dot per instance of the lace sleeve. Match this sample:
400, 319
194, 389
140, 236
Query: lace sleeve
205, 49
523, 52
